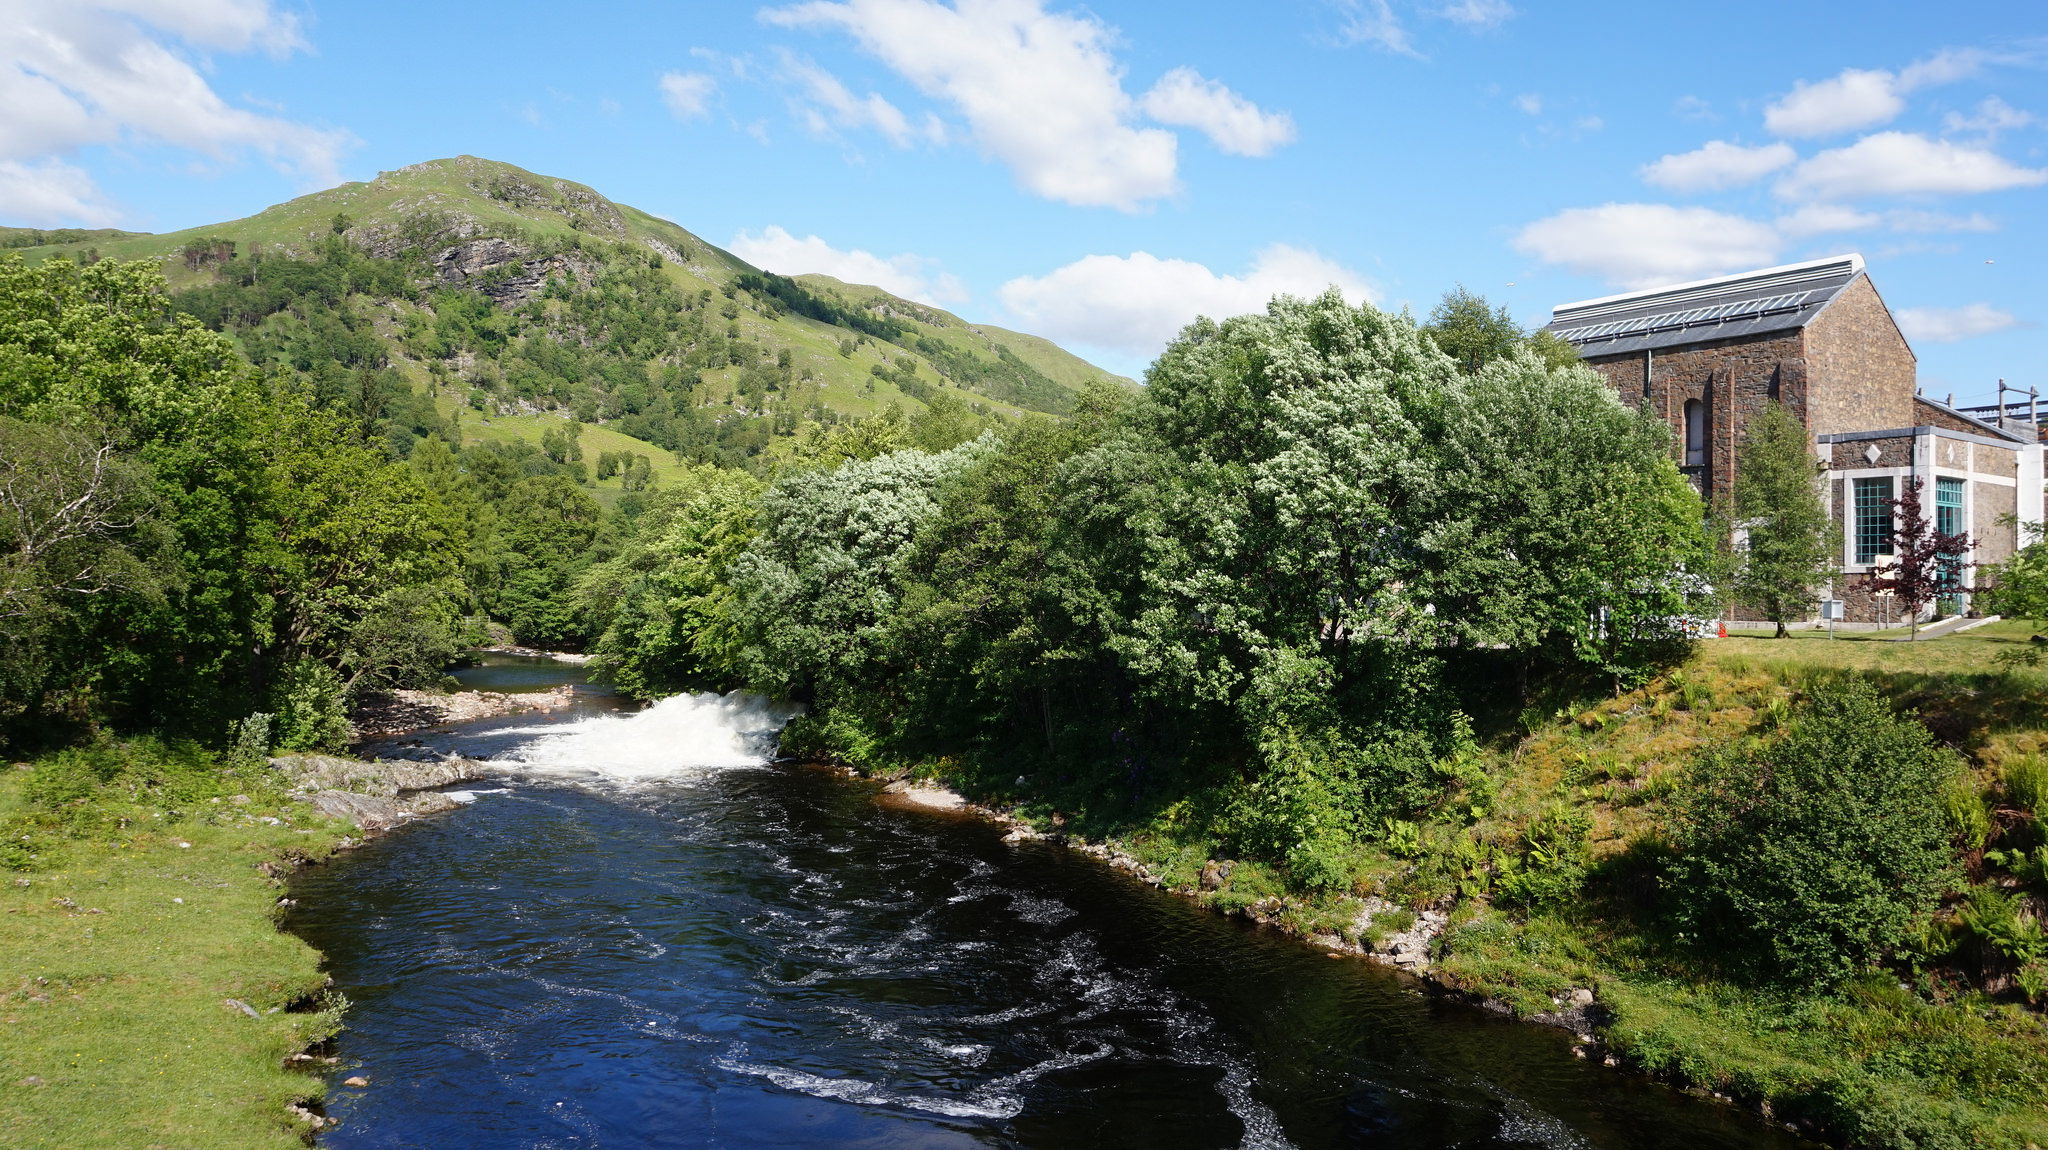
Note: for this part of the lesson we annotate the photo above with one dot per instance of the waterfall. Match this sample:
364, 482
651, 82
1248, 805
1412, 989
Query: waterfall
679, 735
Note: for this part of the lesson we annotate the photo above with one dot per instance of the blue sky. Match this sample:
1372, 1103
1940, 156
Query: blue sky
1100, 174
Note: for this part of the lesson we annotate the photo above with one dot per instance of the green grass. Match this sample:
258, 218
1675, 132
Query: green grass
1973, 651
119, 949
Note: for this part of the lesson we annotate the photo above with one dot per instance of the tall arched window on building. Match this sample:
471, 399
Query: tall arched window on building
1695, 433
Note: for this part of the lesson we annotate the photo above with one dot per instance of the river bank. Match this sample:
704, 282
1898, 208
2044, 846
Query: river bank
1912, 1055
147, 996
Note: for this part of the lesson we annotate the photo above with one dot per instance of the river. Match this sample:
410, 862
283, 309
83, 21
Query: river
645, 935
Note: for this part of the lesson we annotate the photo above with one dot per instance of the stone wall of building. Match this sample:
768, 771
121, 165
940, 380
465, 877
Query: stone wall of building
1734, 378
1624, 373
1989, 460
1933, 415
1854, 454
1990, 502
1862, 368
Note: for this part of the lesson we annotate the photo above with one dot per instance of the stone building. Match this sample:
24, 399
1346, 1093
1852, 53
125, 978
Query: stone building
1817, 337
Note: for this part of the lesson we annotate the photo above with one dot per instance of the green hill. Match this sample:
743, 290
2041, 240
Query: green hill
486, 303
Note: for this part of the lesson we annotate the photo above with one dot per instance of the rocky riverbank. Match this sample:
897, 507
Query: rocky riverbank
404, 711
377, 796
1410, 948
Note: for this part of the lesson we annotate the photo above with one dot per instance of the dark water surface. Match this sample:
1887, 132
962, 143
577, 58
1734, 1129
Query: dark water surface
767, 956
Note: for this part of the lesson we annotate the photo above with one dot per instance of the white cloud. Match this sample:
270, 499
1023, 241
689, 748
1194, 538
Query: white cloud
834, 105
1904, 164
1862, 98
1949, 324
1815, 219
1944, 67
1854, 99
1529, 104
1478, 14
1375, 22
1918, 221
1718, 165
1693, 108
1185, 99
1038, 90
910, 276
1134, 305
1991, 117
230, 25
1642, 245
51, 193
75, 73
688, 94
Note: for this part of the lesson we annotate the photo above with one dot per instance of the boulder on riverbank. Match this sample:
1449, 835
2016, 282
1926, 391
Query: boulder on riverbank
376, 796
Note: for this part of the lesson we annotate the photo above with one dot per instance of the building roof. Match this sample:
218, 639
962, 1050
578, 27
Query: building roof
1747, 303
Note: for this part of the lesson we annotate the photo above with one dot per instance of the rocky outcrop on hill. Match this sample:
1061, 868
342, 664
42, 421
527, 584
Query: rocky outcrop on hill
502, 270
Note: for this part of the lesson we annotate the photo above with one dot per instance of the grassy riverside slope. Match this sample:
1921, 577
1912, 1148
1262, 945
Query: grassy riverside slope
1911, 1055
120, 948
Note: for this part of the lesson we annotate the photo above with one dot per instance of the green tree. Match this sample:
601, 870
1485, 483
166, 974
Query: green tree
98, 351
1474, 333
1811, 855
547, 529
820, 581
1558, 529
664, 608
1792, 538
2018, 587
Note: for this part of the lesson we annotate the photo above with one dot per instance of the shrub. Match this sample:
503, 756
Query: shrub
1551, 870
2026, 783
1812, 853
311, 713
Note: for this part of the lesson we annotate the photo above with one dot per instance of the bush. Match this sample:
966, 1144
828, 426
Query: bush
2026, 783
1551, 870
1811, 854
311, 714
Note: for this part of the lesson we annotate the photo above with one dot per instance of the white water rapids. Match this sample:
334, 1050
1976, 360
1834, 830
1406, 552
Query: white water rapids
679, 735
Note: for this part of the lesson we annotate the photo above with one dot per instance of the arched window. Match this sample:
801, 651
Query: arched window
1695, 433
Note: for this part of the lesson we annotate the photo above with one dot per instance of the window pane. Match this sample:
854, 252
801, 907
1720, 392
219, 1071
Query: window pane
1873, 518
1948, 504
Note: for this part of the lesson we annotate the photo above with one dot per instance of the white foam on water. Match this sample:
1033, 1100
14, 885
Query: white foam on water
677, 736
981, 1104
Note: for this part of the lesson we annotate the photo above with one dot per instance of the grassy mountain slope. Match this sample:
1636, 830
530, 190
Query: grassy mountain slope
509, 302
1048, 358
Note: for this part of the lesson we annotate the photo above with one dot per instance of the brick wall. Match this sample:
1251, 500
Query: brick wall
1862, 369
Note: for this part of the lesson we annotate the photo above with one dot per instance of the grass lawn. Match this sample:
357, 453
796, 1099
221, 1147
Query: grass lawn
1971, 652
119, 952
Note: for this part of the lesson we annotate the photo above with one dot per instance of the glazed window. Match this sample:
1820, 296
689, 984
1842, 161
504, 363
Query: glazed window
1948, 505
1873, 518
1695, 433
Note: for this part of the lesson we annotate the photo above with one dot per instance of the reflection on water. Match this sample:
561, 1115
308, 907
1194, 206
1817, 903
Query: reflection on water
766, 956
515, 674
